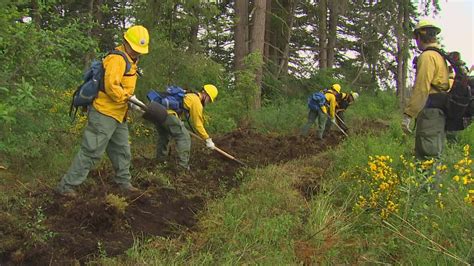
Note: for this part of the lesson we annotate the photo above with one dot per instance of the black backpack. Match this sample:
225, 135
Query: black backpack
459, 101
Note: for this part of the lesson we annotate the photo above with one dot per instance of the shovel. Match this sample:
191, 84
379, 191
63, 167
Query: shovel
154, 112
342, 130
342, 122
220, 151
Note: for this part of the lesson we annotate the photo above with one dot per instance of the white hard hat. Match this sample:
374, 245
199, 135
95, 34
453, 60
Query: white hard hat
355, 95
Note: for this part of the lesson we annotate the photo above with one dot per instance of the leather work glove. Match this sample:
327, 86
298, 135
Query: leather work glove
210, 144
135, 107
135, 99
406, 124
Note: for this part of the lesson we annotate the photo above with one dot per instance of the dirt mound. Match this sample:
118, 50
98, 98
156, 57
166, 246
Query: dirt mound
91, 225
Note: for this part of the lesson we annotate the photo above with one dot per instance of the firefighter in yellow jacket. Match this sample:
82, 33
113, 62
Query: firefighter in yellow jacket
107, 128
347, 99
428, 94
321, 114
333, 96
173, 127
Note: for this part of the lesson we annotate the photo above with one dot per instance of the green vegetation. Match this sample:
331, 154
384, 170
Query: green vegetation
417, 216
365, 201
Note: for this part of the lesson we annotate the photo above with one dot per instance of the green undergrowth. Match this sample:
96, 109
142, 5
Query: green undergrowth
372, 203
315, 210
268, 221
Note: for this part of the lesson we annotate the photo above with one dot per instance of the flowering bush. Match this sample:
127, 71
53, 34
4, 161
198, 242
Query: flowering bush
463, 178
385, 189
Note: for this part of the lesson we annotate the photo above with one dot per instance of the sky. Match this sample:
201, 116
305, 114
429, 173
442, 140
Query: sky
456, 20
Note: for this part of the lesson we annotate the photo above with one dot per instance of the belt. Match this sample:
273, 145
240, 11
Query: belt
436, 100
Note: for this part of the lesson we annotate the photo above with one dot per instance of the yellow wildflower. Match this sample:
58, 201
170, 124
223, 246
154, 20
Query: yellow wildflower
465, 180
373, 167
466, 150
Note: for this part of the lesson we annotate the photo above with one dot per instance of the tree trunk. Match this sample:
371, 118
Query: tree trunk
268, 49
241, 32
406, 46
193, 32
401, 52
288, 30
257, 44
336, 8
323, 10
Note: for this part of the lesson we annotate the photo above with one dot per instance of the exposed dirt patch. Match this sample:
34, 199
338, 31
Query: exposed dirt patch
88, 226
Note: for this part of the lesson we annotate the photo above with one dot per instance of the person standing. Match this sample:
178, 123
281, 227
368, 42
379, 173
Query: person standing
428, 94
173, 127
107, 128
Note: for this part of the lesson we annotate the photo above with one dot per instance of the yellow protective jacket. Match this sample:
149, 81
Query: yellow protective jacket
192, 103
431, 77
118, 87
331, 101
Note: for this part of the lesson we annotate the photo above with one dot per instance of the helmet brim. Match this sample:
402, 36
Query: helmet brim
136, 48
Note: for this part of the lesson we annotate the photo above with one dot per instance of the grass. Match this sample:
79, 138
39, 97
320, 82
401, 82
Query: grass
268, 221
254, 224
282, 117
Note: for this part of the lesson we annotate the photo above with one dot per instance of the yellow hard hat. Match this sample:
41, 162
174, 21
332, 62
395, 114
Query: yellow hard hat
211, 90
336, 87
138, 38
424, 24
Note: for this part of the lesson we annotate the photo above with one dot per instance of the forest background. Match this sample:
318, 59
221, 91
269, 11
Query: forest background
266, 57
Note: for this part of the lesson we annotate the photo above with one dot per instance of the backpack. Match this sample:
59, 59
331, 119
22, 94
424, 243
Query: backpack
93, 82
459, 99
334, 92
171, 99
316, 101
344, 103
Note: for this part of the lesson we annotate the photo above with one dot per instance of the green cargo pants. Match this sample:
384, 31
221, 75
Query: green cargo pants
430, 136
315, 116
102, 134
174, 128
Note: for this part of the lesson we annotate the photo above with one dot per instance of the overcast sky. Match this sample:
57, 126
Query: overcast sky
457, 31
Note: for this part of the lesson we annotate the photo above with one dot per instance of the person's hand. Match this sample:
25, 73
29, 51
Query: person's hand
333, 120
406, 124
210, 144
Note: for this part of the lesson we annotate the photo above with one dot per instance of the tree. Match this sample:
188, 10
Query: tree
402, 33
336, 8
323, 56
257, 43
241, 34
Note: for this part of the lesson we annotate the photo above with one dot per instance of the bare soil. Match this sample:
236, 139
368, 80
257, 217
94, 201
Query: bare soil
88, 225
